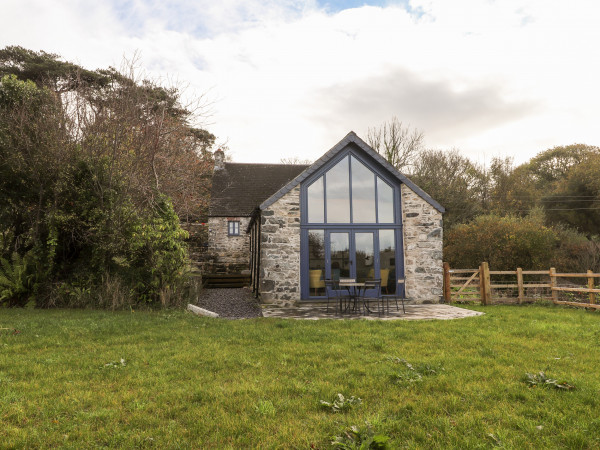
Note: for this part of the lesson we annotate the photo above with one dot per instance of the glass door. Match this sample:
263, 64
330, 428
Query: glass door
360, 254
339, 256
364, 256
352, 255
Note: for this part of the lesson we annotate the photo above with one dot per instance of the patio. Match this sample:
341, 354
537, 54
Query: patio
315, 311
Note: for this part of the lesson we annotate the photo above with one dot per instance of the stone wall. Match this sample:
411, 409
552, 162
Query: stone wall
280, 250
227, 254
422, 225
197, 244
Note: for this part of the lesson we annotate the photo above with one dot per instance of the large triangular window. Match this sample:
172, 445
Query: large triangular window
350, 192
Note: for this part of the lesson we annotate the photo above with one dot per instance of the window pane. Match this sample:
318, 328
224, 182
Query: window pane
363, 193
316, 262
338, 193
233, 228
340, 255
385, 206
387, 261
364, 256
315, 202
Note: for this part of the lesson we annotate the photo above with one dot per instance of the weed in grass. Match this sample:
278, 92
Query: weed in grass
265, 408
360, 438
540, 379
115, 364
413, 374
341, 403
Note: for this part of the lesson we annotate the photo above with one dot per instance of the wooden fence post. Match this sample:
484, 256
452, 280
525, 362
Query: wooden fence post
552, 274
520, 283
591, 286
447, 291
486, 294
481, 285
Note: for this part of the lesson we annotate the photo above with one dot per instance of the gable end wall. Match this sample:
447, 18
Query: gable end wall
423, 271
280, 250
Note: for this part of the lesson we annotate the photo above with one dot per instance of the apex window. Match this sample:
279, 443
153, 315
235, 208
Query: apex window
350, 192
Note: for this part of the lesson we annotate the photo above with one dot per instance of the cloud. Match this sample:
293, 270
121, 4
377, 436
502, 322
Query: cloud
432, 105
291, 77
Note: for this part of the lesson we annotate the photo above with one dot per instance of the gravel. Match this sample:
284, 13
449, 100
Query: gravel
230, 303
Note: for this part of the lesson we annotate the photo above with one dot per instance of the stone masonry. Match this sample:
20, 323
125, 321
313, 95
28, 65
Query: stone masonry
422, 225
280, 250
228, 254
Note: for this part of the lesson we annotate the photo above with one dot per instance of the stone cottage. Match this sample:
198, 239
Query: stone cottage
349, 214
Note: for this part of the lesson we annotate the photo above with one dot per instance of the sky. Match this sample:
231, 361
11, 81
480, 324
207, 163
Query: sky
290, 78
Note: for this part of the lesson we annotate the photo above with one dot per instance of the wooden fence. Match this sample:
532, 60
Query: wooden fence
518, 286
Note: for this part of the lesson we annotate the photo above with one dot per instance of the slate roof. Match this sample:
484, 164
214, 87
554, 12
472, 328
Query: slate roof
239, 188
350, 139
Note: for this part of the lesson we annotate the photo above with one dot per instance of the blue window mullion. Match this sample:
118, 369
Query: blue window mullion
376, 199
325, 197
350, 187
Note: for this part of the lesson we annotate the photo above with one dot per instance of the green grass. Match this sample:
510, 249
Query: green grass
191, 382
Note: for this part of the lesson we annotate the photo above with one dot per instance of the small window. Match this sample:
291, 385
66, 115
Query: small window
233, 228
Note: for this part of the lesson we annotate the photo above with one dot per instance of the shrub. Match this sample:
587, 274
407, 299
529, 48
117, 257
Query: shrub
504, 242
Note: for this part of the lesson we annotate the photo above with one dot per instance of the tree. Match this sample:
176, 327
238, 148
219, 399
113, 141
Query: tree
552, 166
397, 143
86, 180
511, 190
47, 70
168, 145
576, 201
453, 180
295, 160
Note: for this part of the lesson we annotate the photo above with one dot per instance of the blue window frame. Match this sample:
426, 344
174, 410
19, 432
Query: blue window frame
233, 228
352, 194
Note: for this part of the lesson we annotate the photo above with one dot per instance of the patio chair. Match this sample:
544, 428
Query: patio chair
386, 298
333, 292
316, 282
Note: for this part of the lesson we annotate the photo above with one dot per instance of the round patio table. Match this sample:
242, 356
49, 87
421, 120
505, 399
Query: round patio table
354, 291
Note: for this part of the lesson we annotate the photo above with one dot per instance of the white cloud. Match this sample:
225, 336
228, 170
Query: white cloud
290, 78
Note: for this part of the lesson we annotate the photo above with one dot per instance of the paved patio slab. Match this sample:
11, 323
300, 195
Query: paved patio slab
413, 312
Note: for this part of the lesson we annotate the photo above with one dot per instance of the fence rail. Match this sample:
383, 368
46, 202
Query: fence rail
477, 285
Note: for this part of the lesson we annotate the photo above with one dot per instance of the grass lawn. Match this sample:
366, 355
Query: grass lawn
196, 382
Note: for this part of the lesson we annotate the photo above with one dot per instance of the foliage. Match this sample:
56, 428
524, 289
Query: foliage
552, 166
361, 438
341, 403
505, 242
16, 281
413, 373
576, 201
540, 379
509, 190
454, 181
265, 408
46, 69
98, 167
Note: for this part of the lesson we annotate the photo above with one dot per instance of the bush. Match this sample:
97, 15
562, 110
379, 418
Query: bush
505, 242
509, 242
